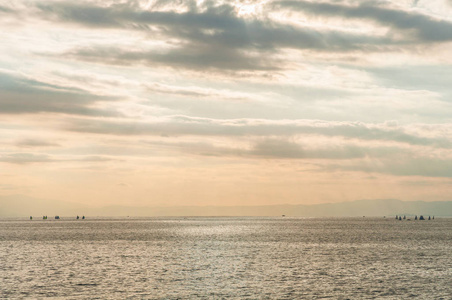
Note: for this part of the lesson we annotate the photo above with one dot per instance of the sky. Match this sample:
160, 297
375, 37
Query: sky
168, 103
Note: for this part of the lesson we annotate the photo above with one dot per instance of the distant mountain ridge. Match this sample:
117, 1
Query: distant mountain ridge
19, 206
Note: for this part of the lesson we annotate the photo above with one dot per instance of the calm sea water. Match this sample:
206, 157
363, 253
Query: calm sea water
214, 258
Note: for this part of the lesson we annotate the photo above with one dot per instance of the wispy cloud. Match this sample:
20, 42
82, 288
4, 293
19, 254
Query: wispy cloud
32, 143
25, 158
22, 95
421, 28
402, 166
184, 125
28, 158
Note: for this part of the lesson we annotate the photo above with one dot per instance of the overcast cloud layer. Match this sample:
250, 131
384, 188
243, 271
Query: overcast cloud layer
236, 102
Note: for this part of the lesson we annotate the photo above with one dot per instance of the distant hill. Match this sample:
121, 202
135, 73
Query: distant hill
15, 206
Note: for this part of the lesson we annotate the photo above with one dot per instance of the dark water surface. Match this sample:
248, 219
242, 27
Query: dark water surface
214, 258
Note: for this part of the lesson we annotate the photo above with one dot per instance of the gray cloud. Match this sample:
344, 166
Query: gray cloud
182, 125
193, 57
280, 148
25, 158
426, 28
391, 160
402, 166
21, 95
215, 38
4, 9
31, 143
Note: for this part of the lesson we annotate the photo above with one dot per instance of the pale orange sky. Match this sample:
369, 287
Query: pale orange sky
225, 103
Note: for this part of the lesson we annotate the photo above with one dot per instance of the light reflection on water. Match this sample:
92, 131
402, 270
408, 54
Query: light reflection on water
284, 258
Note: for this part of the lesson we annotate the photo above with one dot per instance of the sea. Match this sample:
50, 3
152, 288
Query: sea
226, 258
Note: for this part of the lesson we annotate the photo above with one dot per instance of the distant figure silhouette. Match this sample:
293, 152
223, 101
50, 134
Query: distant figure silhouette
83, 218
429, 218
421, 217
31, 218
396, 217
433, 218
400, 218
404, 217
78, 217
415, 217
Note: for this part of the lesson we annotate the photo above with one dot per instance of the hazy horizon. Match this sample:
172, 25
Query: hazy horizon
20, 206
138, 103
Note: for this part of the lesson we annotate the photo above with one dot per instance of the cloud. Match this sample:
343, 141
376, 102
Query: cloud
4, 9
200, 92
31, 143
25, 158
280, 148
346, 156
22, 95
212, 38
183, 125
188, 56
94, 158
425, 28
400, 166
